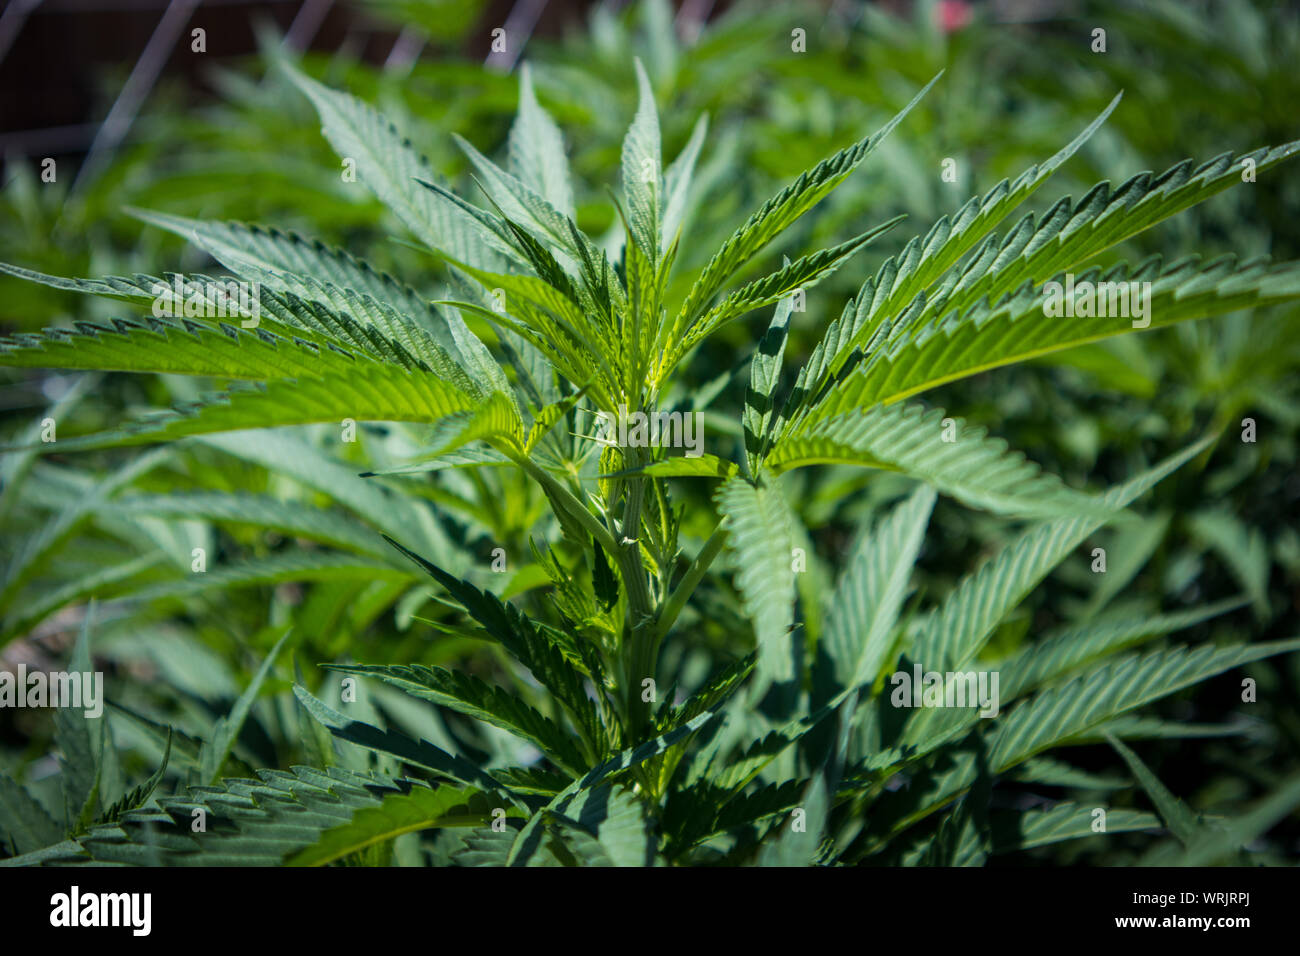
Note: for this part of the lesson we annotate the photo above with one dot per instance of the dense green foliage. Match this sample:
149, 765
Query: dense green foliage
571, 650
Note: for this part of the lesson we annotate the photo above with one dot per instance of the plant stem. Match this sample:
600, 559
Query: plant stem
630, 551
563, 495
694, 574
639, 649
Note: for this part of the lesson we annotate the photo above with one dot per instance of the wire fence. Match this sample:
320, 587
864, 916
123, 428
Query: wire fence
100, 140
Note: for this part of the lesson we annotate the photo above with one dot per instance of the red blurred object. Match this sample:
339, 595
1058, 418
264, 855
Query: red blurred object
952, 15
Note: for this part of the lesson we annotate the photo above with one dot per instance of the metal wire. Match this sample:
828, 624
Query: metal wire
142, 79
406, 50
12, 20
519, 27
306, 23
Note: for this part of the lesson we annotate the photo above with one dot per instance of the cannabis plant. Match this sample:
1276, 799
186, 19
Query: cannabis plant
563, 359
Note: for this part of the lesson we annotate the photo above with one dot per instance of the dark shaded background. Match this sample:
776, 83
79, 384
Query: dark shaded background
62, 62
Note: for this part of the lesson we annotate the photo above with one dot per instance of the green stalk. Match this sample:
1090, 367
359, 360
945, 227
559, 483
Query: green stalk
694, 574
570, 501
639, 660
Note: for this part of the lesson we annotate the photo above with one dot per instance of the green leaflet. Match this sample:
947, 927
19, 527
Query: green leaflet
548, 417
529, 645
643, 172
707, 814
924, 260
682, 466
1133, 544
313, 468
496, 423
1069, 236
528, 223
1262, 815
954, 636
249, 822
307, 268
678, 178
389, 166
711, 696
517, 205
309, 313
913, 358
183, 347
1114, 688
866, 602
1011, 832
287, 517
551, 321
1069, 713
1152, 728
138, 797
1062, 651
278, 568
764, 373
67, 851
758, 754
605, 826
420, 809
527, 840
33, 552
715, 690
30, 613
468, 695
799, 846
976, 470
761, 545
26, 825
377, 393
1177, 817
951, 638
419, 753
1244, 550
1047, 771
1056, 657
531, 226
537, 149
776, 215
81, 741
15, 469
217, 748
485, 848
792, 278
